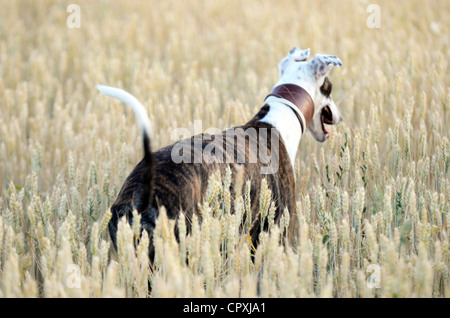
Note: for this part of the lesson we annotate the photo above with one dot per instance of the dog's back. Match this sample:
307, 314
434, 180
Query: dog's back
180, 185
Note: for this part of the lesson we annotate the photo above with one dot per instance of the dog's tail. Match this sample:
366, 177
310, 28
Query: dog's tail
142, 199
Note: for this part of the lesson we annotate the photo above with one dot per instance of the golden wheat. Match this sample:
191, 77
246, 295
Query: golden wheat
374, 202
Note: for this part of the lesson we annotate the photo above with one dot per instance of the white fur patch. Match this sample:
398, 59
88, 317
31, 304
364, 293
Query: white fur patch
130, 100
287, 124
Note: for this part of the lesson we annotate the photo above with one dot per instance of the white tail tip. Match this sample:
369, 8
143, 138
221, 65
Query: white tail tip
131, 101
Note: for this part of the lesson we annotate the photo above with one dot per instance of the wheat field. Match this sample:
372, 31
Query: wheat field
373, 203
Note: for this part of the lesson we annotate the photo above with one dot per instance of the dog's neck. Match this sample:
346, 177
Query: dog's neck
298, 99
290, 123
287, 124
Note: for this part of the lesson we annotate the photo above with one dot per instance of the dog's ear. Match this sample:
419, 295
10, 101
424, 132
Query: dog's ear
321, 65
294, 55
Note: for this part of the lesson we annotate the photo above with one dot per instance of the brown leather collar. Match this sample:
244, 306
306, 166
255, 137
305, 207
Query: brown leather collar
299, 97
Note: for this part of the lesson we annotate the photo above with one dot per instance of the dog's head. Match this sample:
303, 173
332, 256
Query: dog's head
313, 77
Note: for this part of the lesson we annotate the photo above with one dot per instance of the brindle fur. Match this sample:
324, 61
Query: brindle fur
181, 186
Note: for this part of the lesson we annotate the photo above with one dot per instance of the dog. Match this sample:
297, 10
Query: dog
176, 176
